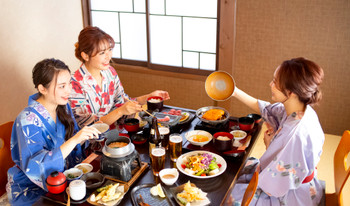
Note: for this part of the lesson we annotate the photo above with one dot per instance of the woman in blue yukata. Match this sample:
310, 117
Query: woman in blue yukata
294, 139
45, 136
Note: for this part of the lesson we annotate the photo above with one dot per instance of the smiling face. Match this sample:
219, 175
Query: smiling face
100, 60
59, 89
276, 94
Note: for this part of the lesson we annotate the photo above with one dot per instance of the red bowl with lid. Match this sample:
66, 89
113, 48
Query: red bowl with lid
56, 182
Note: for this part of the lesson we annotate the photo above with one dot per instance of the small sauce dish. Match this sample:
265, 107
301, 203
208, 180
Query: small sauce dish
169, 176
85, 167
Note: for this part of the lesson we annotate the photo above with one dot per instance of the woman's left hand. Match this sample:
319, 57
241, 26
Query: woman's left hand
161, 93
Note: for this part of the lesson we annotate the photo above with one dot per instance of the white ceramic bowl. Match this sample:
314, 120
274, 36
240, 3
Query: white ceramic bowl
191, 134
73, 174
85, 167
238, 134
169, 176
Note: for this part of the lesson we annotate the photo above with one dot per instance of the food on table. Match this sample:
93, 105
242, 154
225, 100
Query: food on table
238, 134
165, 119
199, 138
168, 176
213, 114
72, 176
174, 112
154, 100
108, 193
224, 138
117, 144
82, 168
184, 116
157, 190
190, 194
141, 202
201, 165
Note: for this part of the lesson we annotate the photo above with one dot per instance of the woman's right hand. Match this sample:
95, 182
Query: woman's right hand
86, 133
130, 107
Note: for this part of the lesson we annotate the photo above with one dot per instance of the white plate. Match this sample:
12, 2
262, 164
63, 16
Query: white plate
219, 160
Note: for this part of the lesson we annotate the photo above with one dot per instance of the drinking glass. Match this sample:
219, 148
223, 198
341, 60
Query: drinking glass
164, 135
158, 160
175, 144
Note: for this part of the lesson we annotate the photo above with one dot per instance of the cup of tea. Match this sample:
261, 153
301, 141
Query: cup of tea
102, 127
157, 159
175, 146
164, 135
77, 189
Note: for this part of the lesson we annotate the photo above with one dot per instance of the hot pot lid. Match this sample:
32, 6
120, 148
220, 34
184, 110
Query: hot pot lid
132, 148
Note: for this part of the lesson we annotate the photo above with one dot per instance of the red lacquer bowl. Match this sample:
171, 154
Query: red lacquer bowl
56, 182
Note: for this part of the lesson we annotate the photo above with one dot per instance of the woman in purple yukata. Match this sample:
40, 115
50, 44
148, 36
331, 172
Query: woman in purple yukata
98, 94
45, 136
294, 139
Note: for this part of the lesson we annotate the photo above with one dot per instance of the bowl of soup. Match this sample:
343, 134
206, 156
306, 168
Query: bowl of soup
169, 175
198, 137
223, 141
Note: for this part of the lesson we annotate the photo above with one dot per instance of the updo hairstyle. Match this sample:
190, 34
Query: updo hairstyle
89, 42
302, 77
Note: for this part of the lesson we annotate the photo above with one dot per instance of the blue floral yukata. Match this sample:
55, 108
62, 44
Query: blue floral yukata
286, 167
35, 149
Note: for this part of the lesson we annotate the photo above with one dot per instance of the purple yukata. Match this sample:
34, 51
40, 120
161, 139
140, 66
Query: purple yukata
292, 155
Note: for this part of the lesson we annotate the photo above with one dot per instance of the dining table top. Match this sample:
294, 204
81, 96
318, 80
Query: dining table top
217, 188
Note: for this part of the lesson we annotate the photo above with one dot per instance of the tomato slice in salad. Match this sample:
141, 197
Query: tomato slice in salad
183, 166
219, 165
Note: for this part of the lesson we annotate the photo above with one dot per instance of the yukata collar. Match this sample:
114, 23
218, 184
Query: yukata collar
34, 104
89, 80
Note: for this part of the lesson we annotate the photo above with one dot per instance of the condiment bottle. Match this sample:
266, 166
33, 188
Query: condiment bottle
154, 137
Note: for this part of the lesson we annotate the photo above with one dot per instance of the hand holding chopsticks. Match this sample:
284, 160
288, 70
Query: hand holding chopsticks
142, 109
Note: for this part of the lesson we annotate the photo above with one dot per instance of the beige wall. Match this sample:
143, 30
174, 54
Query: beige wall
266, 34
31, 31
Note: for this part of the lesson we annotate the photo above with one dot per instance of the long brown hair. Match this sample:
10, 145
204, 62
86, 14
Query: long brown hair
302, 77
45, 72
89, 42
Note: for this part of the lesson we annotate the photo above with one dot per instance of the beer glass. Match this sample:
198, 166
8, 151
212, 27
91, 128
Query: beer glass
157, 159
175, 144
164, 135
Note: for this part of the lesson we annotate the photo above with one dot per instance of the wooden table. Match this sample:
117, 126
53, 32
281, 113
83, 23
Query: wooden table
218, 188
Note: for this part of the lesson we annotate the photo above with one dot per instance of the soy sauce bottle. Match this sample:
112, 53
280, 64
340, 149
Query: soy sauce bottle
154, 136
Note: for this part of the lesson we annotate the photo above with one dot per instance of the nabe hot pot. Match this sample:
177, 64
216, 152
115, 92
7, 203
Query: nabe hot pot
118, 159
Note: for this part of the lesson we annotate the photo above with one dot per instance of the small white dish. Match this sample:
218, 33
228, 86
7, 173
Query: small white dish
238, 134
85, 167
191, 134
169, 176
73, 174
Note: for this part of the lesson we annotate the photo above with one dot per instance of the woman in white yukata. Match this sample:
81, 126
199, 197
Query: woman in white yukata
98, 94
294, 139
45, 136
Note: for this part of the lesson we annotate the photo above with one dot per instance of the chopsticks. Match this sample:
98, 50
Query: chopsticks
143, 109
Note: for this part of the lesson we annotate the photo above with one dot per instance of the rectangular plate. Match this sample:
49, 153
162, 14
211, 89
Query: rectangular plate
110, 203
144, 190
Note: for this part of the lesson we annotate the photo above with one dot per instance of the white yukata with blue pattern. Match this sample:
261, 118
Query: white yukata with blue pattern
292, 155
35, 149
